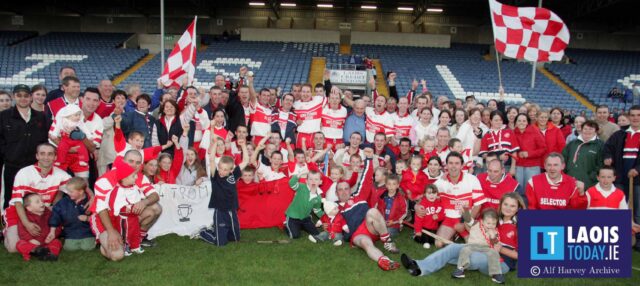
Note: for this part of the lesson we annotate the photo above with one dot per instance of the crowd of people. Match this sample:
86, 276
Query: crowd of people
80, 167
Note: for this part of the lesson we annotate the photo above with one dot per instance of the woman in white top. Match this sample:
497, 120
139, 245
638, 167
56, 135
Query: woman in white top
471, 131
444, 120
192, 171
459, 117
421, 129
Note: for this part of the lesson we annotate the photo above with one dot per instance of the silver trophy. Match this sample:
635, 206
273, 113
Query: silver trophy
184, 210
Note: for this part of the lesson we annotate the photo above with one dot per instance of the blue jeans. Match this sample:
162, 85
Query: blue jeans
449, 254
523, 174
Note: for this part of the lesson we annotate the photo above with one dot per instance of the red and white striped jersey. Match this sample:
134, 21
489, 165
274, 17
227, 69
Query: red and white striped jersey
260, 120
631, 144
598, 198
120, 197
94, 125
107, 182
378, 122
333, 122
247, 113
466, 193
270, 174
28, 180
402, 124
500, 141
310, 112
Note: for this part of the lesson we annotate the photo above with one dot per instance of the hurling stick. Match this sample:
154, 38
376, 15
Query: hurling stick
633, 238
435, 236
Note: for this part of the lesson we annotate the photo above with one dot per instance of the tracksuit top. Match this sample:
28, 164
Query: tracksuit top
303, 203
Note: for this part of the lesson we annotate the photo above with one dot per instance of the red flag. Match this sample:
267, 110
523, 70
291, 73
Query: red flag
182, 60
533, 34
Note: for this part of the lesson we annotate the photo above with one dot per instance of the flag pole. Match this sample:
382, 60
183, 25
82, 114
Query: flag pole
191, 73
533, 64
161, 36
498, 63
493, 28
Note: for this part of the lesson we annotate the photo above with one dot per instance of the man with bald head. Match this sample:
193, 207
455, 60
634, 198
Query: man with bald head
355, 122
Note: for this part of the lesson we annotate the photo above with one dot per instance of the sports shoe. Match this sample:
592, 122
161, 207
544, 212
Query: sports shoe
138, 250
337, 243
391, 247
313, 239
498, 278
40, 252
387, 264
426, 245
207, 236
459, 273
410, 265
50, 257
127, 251
147, 242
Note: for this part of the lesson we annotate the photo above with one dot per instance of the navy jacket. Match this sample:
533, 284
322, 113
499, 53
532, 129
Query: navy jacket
135, 121
65, 213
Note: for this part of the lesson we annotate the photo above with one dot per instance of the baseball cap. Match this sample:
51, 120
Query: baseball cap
21, 87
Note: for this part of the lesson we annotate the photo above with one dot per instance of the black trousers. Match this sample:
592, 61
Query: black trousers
9, 174
294, 227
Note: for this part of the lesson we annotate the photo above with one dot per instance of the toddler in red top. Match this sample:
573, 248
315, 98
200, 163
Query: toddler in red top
44, 245
414, 180
333, 224
431, 221
69, 127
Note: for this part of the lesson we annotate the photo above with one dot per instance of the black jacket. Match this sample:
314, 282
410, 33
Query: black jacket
613, 149
19, 139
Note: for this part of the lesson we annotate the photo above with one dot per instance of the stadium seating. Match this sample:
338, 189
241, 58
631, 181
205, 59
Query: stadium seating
594, 73
11, 37
274, 64
95, 56
460, 71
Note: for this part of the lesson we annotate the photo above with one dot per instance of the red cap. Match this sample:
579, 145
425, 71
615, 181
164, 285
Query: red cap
123, 169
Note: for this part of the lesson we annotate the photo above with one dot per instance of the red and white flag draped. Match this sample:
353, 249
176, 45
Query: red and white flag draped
533, 34
182, 60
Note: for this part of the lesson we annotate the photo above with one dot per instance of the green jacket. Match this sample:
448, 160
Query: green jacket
587, 163
303, 204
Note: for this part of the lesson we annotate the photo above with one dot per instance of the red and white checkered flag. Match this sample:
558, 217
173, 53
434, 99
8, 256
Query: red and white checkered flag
182, 60
533, 34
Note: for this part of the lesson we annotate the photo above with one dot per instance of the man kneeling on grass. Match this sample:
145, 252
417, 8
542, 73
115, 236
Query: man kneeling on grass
366, 225
224, 197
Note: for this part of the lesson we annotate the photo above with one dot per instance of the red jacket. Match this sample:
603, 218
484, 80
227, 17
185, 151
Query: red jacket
398, 209
41, 220
169, 177
413, 184
533, 143
334, 225
566, 130
554, 138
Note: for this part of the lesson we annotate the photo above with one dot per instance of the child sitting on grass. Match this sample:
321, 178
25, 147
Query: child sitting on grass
70, 214
333, 224
431, 220
483, 235
306, 199
44, 246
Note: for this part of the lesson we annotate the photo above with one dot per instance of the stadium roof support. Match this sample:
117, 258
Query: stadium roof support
421, 8
275, 6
